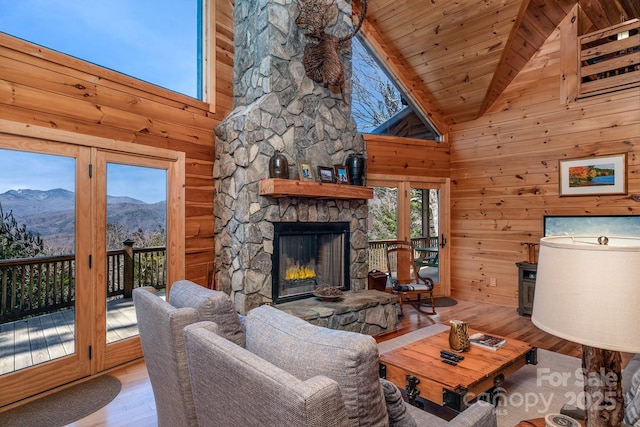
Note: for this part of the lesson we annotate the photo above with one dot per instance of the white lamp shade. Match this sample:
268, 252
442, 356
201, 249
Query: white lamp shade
589, 293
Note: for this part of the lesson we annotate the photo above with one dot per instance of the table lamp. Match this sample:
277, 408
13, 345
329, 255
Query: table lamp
588, 291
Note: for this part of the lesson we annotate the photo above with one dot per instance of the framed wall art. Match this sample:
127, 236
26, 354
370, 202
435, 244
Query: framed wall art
305, 173
326, 174
593, 176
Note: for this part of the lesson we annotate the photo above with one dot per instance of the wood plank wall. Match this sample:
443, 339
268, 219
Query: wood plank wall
45, 88
393, 156
504, 172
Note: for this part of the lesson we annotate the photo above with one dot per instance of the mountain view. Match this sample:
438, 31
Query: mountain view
51, 214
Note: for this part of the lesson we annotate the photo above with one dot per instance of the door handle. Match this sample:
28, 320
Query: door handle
443, 241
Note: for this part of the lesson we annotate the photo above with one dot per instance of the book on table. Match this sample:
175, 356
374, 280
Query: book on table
487, 341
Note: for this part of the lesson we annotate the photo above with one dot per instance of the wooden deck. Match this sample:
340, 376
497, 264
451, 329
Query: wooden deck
39, 339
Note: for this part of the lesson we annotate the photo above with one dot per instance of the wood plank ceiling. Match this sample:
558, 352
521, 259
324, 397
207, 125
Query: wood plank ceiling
456, 57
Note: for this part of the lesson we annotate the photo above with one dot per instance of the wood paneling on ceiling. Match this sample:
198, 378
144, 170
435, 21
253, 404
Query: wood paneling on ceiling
459, 56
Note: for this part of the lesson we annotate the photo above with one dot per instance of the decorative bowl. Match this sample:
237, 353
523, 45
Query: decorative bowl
328, 293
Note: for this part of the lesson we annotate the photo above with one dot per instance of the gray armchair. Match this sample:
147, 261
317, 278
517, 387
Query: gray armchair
161, 335
161, 325
295, 373
234, 387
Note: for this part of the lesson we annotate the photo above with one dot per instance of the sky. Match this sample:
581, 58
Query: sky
153, 40
32, 171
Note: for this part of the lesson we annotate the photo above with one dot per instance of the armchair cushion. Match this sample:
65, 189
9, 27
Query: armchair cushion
306, 350
396, 407
211, 305
480, 414
632, 401
233, 387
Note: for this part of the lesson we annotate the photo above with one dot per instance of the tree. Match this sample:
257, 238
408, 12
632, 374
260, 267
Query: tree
15, 240
374, 97
383, 214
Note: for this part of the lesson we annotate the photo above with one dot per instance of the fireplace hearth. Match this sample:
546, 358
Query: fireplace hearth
307, 256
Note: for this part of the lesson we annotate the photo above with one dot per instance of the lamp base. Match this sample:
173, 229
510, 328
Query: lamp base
602, 386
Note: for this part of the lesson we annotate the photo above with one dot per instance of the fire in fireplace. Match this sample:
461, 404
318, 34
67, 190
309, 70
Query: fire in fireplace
307, 256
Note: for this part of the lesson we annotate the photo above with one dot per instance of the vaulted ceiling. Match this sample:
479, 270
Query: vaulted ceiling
455, 57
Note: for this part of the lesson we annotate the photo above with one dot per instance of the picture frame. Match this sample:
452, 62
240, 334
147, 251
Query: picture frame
593, 176
342, 174
305, 172
326, 174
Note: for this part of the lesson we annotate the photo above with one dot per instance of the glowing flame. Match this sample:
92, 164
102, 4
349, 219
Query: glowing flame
297, 273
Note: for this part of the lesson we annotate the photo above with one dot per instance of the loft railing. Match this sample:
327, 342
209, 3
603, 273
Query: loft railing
609, 59
32, 286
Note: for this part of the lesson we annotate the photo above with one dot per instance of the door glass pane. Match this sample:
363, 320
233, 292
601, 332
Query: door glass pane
136, 241
37, 258
383, 224
425, 215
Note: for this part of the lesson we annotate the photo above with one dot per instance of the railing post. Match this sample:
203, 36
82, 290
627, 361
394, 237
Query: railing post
128, 268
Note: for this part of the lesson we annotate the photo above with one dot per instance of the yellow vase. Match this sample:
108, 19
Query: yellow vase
459, 336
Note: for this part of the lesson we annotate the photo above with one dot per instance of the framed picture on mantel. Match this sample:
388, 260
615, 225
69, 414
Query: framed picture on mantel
305, 173
325, 174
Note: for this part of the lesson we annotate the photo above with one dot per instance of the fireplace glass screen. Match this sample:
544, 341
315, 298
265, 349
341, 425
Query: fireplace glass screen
307, 256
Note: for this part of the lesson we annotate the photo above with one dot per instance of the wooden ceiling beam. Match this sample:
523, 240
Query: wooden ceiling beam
602, 13
631, 8
535, 22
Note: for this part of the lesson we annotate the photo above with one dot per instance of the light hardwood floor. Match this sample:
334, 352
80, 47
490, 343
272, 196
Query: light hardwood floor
134, 406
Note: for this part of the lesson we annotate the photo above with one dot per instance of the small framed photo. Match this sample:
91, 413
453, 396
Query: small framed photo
305, 173
342, 174
326, 174
593, 176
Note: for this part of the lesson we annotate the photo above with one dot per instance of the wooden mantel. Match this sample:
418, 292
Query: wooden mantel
275, 187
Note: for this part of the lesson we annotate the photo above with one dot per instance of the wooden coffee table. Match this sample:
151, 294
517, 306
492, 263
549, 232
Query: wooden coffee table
418, 369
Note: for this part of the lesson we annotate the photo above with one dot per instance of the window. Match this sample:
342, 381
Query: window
378, 106
158, 41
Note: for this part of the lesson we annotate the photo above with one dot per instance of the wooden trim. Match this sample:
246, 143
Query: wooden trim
569, 59
209, 42
25, 130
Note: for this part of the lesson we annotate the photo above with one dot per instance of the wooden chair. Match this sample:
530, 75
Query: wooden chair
406, 282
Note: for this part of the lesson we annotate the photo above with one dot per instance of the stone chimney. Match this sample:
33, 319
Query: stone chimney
278, 108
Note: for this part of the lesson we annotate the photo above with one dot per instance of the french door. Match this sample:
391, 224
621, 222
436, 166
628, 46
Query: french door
417, 210
64, 306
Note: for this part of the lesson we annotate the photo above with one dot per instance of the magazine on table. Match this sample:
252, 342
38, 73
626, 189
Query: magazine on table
487, 341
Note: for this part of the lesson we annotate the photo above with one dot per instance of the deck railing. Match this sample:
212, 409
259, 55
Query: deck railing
378, 250
32, 286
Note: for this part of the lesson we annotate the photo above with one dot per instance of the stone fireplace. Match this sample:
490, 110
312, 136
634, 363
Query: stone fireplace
307, 256
278, 108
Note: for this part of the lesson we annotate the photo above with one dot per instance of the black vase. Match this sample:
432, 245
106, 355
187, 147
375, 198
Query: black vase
278, 166
356, 164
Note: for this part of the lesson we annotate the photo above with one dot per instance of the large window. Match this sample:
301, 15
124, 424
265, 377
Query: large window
158, 41
378, 105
